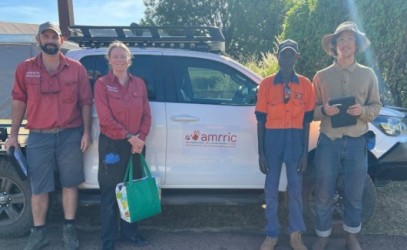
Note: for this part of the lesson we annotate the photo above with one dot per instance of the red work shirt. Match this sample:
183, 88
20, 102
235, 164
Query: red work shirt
53, 101
280, 115
122, 109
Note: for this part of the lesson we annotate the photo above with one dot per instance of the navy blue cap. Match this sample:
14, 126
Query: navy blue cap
288, 44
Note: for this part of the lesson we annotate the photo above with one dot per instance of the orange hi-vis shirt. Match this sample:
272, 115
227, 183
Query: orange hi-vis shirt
280, 115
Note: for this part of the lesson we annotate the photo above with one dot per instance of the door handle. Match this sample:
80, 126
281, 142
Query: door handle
184, 118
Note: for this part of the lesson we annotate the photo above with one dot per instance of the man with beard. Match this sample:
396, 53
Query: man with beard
54, 93
284, 111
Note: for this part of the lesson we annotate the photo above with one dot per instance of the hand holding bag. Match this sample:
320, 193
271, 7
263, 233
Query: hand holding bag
138, 199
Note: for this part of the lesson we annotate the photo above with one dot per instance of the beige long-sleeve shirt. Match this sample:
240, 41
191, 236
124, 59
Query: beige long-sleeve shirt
356, 80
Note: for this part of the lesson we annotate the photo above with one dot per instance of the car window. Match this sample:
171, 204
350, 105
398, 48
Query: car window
96, 66
210, 82
143, 66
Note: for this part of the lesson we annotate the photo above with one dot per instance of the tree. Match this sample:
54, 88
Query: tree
307, 22
249, 27
255, 25
384, 23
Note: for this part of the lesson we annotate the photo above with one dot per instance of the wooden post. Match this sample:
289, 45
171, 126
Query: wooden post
66, 16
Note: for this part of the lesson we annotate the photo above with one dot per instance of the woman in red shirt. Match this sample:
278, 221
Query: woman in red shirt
124, 117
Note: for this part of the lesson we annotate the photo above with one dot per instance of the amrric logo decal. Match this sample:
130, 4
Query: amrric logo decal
204, 138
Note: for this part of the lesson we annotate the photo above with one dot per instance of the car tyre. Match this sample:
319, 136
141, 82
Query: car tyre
15, 202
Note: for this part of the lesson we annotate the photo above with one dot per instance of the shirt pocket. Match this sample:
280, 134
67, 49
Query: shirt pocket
275, 111
137, 101
69, 91
116, 104
298, 109
33, 88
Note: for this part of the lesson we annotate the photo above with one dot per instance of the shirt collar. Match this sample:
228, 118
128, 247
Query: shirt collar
63, 62
350, 68
112, 78
278, 79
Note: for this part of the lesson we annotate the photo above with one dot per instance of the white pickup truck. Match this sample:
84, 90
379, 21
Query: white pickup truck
203, 139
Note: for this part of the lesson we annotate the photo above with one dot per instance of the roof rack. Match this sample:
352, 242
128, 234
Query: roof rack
201, 38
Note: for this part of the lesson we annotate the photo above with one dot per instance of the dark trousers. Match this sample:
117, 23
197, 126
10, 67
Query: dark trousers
109, 175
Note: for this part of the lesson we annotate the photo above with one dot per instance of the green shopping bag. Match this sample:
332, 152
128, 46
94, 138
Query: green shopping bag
138, 199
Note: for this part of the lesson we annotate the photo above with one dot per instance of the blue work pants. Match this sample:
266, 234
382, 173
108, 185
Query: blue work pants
284, 146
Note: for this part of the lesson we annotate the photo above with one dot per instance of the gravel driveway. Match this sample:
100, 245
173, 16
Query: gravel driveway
232, 227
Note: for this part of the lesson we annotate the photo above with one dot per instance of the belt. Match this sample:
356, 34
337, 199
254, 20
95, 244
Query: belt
48, 130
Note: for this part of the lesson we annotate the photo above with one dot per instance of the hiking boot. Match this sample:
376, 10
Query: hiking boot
37, 240
137, 240
296, 241
108, 245
269, 243
69, 237
320, 243
352, 242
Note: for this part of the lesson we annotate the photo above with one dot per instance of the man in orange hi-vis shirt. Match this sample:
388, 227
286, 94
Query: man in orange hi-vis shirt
284, 111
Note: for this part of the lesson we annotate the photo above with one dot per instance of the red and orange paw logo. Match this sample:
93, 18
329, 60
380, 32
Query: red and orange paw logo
196, 134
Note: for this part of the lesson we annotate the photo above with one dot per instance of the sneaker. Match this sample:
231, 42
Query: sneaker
269, 243
320, 243
37, 240
69, 237
352, 242
296, 241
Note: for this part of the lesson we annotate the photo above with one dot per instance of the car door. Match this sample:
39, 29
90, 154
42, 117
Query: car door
212, 138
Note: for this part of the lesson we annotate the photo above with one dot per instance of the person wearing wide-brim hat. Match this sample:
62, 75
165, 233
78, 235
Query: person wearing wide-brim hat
342, 147
329, 41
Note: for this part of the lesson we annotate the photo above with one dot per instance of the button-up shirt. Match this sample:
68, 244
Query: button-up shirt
122, 109
280, 115
53, 100
335, 82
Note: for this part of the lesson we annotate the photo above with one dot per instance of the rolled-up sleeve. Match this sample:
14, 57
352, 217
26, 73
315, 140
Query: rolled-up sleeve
373, 104
19, 91
85, 93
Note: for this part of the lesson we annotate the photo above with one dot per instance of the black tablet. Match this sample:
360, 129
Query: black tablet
343, 119
19, 162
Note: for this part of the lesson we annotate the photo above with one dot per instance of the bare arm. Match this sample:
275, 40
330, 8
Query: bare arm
87, 121
302, 167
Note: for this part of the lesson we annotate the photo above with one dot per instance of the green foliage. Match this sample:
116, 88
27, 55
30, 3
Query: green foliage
267, 65
252, 27
255, 25
249, 27
307, 22
385, 23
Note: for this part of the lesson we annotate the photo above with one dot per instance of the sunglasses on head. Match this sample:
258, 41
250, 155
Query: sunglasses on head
287, 93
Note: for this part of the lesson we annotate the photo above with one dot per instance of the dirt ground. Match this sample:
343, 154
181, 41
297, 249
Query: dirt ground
391, 210
389, 216
231, 227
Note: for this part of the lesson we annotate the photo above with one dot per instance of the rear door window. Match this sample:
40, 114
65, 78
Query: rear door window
210, 82
143, 66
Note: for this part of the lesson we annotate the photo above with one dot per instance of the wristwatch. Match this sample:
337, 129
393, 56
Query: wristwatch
128, 136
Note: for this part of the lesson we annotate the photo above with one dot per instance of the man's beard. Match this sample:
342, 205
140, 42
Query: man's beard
49, 48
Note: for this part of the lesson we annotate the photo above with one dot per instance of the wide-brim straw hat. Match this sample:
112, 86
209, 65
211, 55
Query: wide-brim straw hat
345, 26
